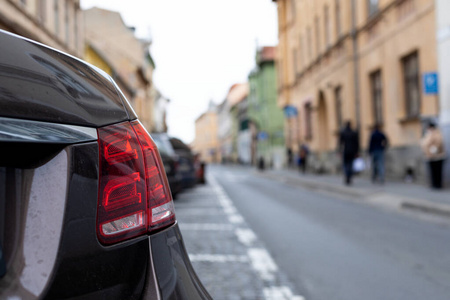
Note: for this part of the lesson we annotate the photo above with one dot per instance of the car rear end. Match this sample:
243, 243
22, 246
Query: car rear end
85, 206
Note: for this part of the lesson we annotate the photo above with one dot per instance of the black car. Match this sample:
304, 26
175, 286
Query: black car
186, 163
170, 160
85, 207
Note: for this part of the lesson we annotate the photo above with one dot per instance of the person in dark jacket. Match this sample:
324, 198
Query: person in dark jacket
349, 149
378, 143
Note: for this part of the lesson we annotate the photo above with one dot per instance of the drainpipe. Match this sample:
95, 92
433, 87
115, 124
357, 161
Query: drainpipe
442, 7
354, 36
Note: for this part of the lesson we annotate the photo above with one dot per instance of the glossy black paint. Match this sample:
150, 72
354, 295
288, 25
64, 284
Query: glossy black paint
39, 83
89, 270
176, 277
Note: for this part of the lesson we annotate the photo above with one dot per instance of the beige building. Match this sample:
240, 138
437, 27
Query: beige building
206, 142
108, 39
57, 23
360, 60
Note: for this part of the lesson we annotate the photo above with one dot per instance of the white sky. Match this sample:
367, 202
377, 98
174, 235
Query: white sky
200, 48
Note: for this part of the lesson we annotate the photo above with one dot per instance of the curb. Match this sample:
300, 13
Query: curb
412, 204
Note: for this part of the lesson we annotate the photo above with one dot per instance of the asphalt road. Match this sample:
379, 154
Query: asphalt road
323, 246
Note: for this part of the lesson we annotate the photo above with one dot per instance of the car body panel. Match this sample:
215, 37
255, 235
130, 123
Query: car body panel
59, 88
49, 180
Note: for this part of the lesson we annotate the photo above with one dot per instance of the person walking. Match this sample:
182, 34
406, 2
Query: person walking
349, 149
303, 158
433, 148
378, 143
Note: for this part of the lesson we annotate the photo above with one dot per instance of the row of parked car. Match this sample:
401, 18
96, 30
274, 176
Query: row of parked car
183, 168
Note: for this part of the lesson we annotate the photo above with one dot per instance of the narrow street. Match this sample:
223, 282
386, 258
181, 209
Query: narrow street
251, 237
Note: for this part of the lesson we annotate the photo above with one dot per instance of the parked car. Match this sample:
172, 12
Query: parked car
170, 160
85, 206
186, 162
200, 169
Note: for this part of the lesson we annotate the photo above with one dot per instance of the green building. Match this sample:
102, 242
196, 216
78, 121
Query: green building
266, 118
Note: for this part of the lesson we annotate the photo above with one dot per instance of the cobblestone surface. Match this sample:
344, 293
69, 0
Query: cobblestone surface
230, 260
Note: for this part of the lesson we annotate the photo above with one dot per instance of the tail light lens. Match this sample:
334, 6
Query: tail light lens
134, 195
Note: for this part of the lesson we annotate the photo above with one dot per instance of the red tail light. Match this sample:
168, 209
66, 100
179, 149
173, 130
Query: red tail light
134, 195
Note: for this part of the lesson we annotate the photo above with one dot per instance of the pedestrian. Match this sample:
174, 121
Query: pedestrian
349, 149
303, 158
290, 158
433, 148
261, 164
378, 143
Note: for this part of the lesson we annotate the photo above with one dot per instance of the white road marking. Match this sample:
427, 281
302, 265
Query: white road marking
259, 258
246, 236
280, 293
218, 258
236, 219
206, 226
263, 263
199, 211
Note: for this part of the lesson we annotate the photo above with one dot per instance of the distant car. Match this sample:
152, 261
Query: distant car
186, 163
85, 206
170, 160
200, 169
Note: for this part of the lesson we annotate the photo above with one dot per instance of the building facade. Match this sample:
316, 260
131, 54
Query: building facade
265, 117
206, 142
362, 61
240, 131
57, 23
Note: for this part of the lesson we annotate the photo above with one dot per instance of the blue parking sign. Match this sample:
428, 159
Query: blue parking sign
430, 83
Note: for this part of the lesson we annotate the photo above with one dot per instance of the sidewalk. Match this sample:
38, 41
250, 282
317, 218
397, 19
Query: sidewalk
394, 194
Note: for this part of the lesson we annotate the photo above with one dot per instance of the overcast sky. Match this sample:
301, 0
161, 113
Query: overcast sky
200, 48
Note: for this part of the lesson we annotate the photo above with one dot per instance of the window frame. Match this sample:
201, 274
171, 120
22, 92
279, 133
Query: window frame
372, 8
376, 95
411, 83
308, 121
338, 106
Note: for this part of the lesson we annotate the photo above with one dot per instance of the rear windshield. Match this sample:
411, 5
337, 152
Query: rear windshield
163, 144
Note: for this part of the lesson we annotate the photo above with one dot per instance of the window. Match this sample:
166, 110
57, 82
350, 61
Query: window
317, 29
56, 8
338, 18
327, 26
75, 25
376, 89
293, 8
338, 103
301, 49
295, 58
410, 65
308, 121
66, 17
372, 7
41, 10
309, 38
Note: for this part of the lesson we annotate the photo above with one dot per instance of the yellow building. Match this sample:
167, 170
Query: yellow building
206, 141
57, 23
359, 60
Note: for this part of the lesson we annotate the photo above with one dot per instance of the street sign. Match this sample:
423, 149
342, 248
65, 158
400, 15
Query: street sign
430, 83
290, 111
262, 135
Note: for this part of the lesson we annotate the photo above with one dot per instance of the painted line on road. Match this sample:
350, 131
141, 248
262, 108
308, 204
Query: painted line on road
246, 236
206, 226
260, 259
262, 263
218, 258
280, 293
